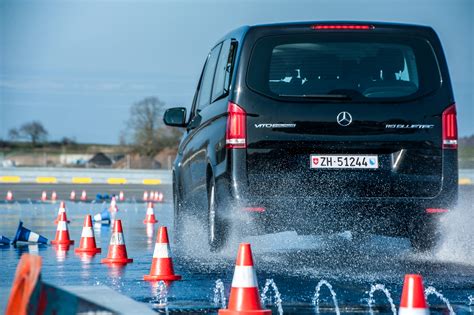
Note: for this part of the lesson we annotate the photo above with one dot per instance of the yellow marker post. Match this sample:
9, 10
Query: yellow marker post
151, 181
10, 179
81, 180
465, 181
46, 180
116, 181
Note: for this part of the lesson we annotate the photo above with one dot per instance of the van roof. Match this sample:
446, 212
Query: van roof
239, 33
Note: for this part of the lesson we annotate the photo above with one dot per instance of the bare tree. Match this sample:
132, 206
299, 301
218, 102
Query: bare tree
13, 134
145, 119
34, 131
149, 135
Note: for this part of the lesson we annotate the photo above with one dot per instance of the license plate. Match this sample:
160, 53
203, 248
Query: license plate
344, 161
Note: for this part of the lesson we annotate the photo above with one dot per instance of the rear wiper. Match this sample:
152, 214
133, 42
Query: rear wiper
320, 96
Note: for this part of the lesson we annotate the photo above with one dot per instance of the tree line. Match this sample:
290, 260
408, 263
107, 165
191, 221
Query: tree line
145, 132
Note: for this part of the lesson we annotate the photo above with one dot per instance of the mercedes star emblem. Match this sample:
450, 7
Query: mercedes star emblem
344, 119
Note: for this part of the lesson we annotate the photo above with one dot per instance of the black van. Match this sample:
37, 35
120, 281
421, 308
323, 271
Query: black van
320, 127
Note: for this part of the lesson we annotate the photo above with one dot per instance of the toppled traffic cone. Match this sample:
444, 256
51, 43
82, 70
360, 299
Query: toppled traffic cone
44, 196
244, 297
103, 216
9, 196
4, 240
145, 196
121, 196
25, 235
62, 208
87, 244
54, 196
72, 196
162, 263
413, 297
62, 232
150, 214
117, 250
83, 196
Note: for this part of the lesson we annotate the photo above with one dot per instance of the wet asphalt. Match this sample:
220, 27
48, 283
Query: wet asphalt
295, 263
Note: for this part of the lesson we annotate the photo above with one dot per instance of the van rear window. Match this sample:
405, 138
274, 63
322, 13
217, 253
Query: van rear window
356, 66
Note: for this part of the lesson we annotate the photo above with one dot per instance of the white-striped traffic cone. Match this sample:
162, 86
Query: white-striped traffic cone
117, 250
413, 297
84, 196
62, 208
54, 196
121, 196
145, 196
72, 196
150, 214
9, 196
162, 263
87, 244
62, 232
44, 196
244, 297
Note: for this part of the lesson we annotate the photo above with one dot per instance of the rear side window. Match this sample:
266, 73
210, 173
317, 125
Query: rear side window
361, 66
208, 77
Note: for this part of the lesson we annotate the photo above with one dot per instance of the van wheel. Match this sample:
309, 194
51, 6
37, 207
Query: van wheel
424, 234
217, 232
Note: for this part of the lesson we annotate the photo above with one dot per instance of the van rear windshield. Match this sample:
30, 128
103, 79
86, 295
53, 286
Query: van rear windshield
356, 66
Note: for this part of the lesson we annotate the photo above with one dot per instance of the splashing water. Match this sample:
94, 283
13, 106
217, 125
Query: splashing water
219, 299
431, 290
161, 299
333, 294
382, 288
471, 299
268, 300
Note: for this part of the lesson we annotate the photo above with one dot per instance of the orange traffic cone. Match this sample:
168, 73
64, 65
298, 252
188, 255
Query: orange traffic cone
62, 208
162, 263
117, 249
121, 196
84, 196
145, 196
62, 232
160, 196
113, 205
87, 244
150, 214
413, 297
9, 196
72, 196
44, 196
244, 297
54, 196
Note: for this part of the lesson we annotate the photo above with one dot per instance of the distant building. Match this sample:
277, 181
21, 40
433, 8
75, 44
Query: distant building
100, 160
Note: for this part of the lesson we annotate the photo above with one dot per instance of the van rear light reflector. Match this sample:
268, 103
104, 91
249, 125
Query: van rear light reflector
236, 132
342, 27
254, 209
436, 210
450, 128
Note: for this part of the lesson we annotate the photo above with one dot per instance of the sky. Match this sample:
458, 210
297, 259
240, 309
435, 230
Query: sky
77, 66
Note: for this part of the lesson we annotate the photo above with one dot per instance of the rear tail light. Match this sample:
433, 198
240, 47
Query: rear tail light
436, 210
254, 209
450, 128
342, 27
236, 132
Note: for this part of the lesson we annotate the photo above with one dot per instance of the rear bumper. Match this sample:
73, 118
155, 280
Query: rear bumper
387, 214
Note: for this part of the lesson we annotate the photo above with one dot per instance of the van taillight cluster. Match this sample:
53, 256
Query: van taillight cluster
450, 128
236, 132
342, 27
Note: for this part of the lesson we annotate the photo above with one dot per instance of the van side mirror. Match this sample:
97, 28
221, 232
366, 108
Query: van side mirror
175, 117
